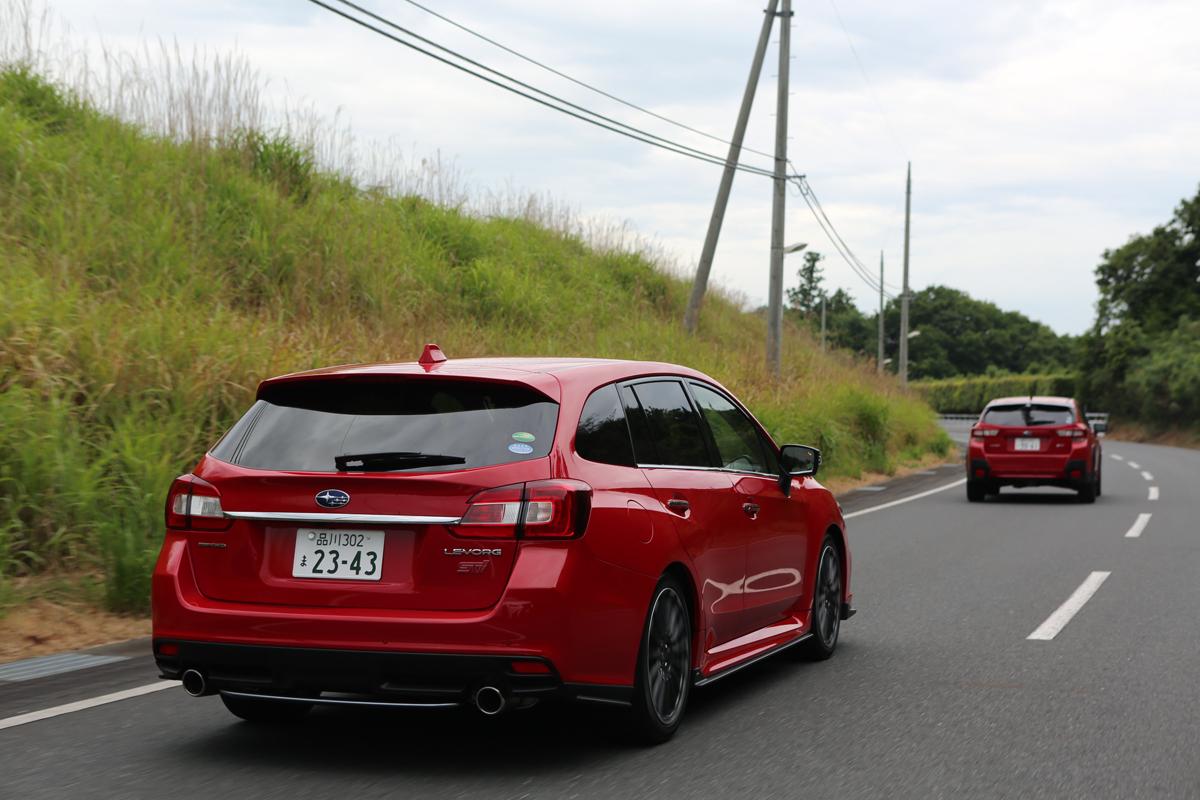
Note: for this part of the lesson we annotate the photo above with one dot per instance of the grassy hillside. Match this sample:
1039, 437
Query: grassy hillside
146, 286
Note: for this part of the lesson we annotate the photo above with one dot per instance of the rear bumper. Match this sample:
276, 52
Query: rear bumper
395, 677
580, 615
1029, 471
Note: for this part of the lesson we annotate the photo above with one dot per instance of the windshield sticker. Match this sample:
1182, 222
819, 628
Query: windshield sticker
522, 436
520, 449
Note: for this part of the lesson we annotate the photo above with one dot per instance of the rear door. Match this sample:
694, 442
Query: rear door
673, 451
344, 493
776, 530
1028, 441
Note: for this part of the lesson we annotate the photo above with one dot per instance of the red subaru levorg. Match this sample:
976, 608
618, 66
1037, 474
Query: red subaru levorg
1034, 441
491, 532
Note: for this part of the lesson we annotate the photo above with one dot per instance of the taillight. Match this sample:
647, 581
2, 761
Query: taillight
557, 509
1072, 433
195, 504
550, 509
980, 433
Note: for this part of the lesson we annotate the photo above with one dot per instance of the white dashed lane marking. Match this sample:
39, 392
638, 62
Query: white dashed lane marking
1142, 521
1147, 475
1059, 619
1116, 457
1153, 493
1134, 464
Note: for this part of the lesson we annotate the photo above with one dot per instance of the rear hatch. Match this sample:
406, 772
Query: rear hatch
343, 493
1028, 435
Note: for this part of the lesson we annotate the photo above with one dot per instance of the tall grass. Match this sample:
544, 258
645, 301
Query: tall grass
153, 272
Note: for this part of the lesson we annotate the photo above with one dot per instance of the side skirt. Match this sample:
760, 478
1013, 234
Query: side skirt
698, 680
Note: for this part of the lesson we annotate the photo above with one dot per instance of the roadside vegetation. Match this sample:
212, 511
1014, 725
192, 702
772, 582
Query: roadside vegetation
150, 280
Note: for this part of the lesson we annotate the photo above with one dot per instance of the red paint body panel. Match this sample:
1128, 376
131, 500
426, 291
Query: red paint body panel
580, 603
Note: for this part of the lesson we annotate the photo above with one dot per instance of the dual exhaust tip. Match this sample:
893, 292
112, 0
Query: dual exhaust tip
488, 699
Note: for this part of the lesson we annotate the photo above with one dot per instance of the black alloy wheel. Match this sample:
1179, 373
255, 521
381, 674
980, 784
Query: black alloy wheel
827, 604
664, 678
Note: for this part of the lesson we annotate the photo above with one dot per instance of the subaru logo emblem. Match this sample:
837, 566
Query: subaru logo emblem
332, 498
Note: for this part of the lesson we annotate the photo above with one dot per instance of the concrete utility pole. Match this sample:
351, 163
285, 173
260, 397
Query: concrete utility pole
775, 287
822, 322
700, 283
879, 357
904, 291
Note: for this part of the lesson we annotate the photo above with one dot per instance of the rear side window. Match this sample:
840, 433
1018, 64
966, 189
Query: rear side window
738, 443
603, 435
673, 425
1028, 416
414, 426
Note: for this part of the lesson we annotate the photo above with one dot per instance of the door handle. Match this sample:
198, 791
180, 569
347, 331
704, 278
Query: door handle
751, 509
678, 505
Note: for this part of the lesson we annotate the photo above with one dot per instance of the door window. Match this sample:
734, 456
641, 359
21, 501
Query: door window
738, 442
672, 424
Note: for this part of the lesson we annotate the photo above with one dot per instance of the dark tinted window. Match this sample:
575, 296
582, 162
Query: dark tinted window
738, 442
673, 424
1028, 416
643, 447
602, 434
306, 425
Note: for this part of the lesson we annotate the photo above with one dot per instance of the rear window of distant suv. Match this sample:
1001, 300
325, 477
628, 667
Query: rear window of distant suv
1028, 416
390, 426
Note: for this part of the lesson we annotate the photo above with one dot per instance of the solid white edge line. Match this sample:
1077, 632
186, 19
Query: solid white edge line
1134, 465
909, 499
1147, 475
1063, 614
1153, 493
83, 705
1116, 457
1136, 529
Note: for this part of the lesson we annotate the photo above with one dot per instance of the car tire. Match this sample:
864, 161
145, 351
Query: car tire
663, 676
826, 617
1087, 492
1099, 479
975, 492
266, 712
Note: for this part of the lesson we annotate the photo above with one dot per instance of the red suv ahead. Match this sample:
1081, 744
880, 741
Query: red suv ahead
491, 532
1033, 441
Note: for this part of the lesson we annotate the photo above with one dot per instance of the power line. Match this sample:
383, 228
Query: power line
866, 78
548, 100
839, 244
577, 81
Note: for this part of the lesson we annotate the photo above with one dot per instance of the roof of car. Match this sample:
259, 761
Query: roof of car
1034, 399
545, 374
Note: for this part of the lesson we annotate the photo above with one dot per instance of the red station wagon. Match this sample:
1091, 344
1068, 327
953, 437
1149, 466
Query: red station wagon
1033, 441
492, 532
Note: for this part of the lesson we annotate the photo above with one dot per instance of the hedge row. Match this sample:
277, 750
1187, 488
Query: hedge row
970, 395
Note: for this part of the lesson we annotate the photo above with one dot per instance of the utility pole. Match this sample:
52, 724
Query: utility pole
775, 287
822, 322
904, 291
879, 357
700, 283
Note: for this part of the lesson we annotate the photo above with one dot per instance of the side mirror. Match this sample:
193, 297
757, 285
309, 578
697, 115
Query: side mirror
1100, 427
798, 460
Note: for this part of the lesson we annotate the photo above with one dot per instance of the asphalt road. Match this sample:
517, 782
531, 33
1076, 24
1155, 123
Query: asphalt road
936, 689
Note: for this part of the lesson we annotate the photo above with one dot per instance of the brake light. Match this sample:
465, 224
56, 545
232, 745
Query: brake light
1072, 433
195, 504
557, 509
982, 432
550, 509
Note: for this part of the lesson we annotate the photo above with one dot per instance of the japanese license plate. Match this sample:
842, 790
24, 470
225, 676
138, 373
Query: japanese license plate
1028, 445
340, 555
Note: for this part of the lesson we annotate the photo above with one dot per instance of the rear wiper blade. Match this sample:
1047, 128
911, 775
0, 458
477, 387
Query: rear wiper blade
384, 462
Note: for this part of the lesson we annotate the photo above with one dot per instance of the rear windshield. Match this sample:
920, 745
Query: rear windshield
1028, 416
413, 426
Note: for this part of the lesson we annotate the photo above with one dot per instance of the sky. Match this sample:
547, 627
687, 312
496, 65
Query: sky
1040, 133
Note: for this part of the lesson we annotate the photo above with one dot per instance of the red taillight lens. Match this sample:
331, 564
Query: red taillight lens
557, 509
195, 504
551, 509
980, 433
492, 514
1072, 433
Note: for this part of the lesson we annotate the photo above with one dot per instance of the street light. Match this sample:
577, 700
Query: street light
913, 334
794, 248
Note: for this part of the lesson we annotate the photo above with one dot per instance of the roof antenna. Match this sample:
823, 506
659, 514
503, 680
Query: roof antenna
431, 357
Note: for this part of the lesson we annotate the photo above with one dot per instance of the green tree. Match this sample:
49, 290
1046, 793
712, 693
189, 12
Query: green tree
806, 298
